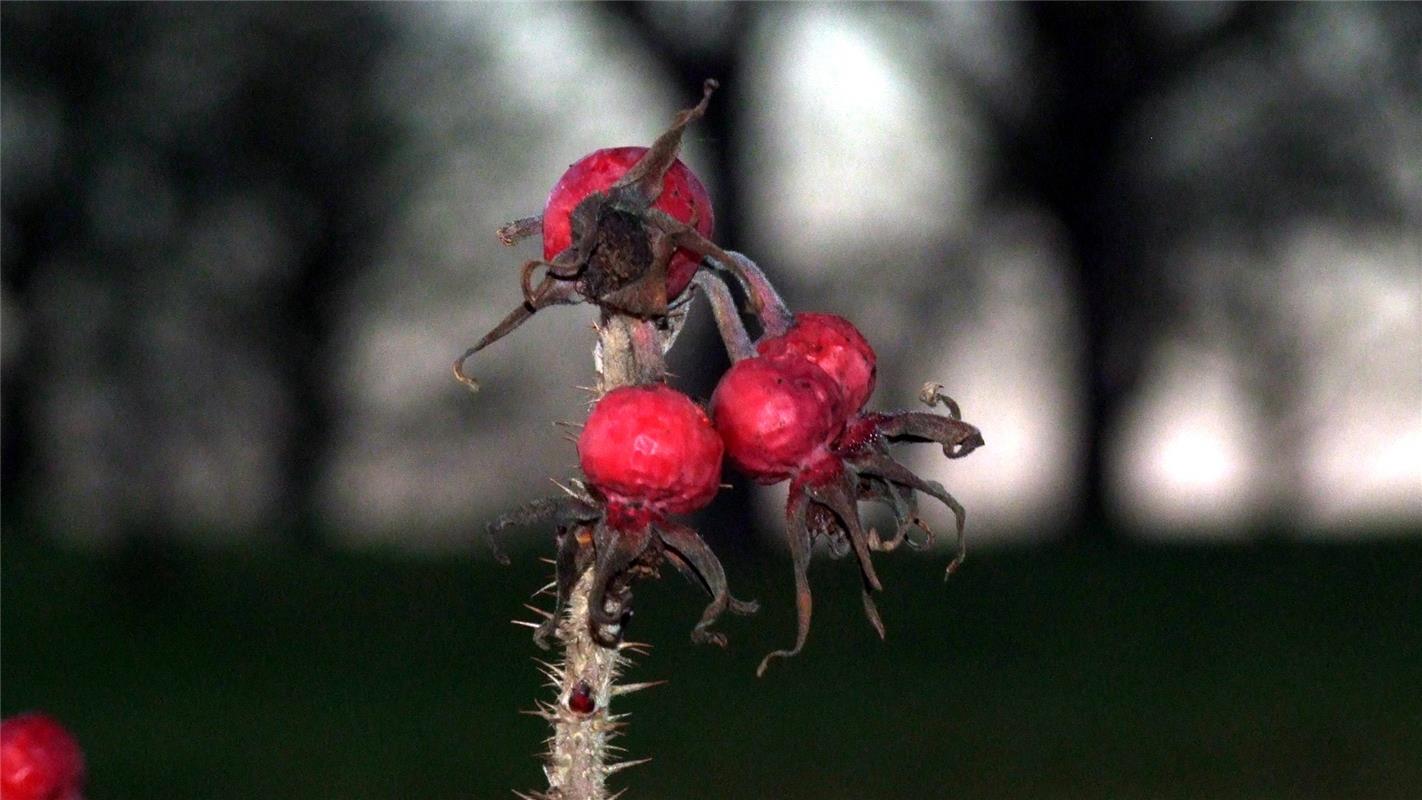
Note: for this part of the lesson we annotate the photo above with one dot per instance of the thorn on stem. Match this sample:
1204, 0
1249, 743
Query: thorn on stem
612, 769
629, 688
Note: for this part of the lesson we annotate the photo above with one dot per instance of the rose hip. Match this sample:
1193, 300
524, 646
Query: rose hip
651, 447
776, 415
39, 760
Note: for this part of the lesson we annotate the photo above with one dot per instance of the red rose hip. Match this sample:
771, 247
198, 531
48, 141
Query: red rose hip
651, 447
39, 760
835, 346
683, 197
777, 415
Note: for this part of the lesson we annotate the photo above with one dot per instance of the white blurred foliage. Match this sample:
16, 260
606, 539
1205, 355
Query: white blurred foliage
1358, 301
868, 167
990, 45
1198, 454
1299, 359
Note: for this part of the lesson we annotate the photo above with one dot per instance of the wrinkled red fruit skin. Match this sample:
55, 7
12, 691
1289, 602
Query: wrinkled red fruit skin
651, 447
682, 194
835, 346
777, 415
39, 760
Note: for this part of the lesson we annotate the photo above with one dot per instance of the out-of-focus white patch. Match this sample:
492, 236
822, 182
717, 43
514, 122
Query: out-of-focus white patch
1366, 472
991, 44
1358, 302
1009, 364
1185, 459
858, 140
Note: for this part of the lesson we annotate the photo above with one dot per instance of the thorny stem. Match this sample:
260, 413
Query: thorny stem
577, 766
629, 351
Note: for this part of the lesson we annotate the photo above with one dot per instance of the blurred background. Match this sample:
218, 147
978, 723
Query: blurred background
1168, 257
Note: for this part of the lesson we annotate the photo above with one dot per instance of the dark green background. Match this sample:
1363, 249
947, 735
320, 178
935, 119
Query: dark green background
1277, 670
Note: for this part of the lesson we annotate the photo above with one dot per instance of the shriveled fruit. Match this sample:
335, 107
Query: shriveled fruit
647, 451
783, 416
622, 247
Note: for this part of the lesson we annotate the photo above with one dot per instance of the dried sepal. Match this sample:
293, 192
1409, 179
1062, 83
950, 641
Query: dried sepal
619, 551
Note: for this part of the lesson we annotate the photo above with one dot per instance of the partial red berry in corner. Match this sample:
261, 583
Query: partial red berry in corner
682, 196
777, 415
835, 346
39, 760
650, 449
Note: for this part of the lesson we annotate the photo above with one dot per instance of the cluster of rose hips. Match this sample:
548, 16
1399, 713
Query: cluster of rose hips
39, 760
628, 230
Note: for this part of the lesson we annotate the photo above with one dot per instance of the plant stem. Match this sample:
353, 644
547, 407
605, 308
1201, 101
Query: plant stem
629, 352
577, 756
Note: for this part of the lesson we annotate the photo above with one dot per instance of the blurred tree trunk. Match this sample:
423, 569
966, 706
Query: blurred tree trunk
45, 222
1100, 64
332, 143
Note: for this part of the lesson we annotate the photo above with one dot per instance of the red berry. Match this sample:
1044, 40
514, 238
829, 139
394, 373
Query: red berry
682, 196
835, 346
777, 415
39, 760
580, 699
651, 447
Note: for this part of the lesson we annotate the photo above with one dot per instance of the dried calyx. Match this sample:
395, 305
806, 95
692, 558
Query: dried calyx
624, 228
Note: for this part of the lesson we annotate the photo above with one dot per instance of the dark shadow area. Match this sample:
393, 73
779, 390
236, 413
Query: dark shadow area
1260, 672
